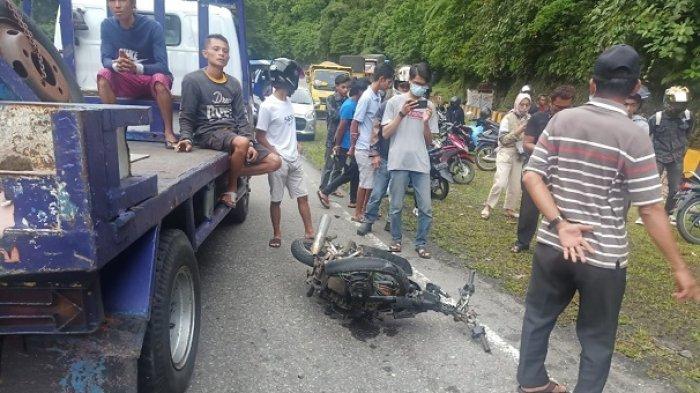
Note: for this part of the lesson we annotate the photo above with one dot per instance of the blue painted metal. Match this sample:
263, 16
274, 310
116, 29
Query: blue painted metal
203, 30
206, 228
67, 33
127, 281
12, 87
27, 7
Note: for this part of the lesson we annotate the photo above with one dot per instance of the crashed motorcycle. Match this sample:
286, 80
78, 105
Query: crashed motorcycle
688, 208
365, 282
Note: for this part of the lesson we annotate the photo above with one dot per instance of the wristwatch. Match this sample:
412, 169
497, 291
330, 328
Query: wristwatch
554, 222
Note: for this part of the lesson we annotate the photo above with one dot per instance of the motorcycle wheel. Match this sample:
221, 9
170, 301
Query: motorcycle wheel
688, 221
482, 158
462, 171
439, 188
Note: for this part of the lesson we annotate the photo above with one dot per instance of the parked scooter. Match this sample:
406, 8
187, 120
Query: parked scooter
440, 176
486, 145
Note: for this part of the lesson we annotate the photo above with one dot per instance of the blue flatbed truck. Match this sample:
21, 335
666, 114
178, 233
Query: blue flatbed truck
99, 286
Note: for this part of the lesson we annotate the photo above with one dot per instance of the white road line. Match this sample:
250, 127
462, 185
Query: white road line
495, 340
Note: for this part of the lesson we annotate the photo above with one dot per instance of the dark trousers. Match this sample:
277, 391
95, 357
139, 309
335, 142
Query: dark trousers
527, 222
552, 286
350, 173
674, 171
330, 169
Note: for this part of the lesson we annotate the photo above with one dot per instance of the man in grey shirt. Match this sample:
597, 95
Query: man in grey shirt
212, 116
409, 130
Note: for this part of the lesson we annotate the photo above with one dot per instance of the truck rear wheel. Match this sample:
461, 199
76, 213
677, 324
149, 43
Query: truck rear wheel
170, 345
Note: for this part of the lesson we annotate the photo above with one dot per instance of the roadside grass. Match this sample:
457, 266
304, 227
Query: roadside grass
654, 329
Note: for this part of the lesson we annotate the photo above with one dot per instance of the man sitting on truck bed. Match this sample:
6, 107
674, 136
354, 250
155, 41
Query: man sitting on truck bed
135, 61
212, 116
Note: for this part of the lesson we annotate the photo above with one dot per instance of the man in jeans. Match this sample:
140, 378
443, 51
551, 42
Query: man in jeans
574, 177
361, 133
561, 98
380, 158
333, 105
670, 131
409, 130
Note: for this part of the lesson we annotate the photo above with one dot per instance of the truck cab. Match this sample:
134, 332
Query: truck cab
321, 81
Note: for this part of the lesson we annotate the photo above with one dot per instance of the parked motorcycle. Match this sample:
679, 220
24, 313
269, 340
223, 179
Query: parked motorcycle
365, 282
461, 164
486, 146
440, 176
688, 208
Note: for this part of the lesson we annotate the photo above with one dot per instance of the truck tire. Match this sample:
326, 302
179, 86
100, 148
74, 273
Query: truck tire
60, 84
170, 345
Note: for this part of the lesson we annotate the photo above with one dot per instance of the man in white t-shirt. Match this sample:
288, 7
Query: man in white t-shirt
409, 121
361, 132
276, 131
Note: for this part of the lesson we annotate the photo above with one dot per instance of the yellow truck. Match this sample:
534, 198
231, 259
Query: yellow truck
321, 81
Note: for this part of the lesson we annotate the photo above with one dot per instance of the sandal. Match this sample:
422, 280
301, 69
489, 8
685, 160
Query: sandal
325, 202
486, 213
422, 252
231, 202
338, 193
355, 219
171, 145
517, 248
275, 242
550, 388
512, 214
352, 205
395, 247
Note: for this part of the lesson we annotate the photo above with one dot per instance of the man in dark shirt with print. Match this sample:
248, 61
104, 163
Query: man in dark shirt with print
212, 116
561, 98
333, 104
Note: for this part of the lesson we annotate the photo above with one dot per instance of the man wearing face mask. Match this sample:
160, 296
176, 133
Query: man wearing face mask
670, 130
408, 129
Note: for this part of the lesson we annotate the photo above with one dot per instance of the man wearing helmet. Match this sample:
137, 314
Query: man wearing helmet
670, 130
276, 130
455, 113
213, 116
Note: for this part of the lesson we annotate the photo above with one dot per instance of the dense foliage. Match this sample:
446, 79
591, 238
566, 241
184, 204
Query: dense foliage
487, 40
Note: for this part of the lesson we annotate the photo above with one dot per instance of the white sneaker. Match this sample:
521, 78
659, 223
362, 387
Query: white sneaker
672, 220
639, 221
415, 211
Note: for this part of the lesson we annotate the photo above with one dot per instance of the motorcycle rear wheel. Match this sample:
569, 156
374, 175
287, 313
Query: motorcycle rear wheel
688, 220
483, 161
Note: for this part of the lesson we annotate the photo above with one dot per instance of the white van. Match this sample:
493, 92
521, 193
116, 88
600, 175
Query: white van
181, 38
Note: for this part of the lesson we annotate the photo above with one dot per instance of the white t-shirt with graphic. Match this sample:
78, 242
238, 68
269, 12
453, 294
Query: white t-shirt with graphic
276, 119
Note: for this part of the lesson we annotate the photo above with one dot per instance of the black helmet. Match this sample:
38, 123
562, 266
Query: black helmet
285, 72
456, 101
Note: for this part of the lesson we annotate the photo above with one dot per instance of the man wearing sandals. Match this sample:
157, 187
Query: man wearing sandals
212, 116
276, 130
409, 130
135, 61
588, 165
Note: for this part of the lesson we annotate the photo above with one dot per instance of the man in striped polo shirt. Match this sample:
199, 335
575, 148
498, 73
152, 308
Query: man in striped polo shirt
588, 163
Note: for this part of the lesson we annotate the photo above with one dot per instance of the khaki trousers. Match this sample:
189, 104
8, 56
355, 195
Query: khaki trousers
509, 169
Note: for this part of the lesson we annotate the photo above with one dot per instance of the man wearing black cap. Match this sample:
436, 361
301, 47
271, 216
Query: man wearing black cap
588, 164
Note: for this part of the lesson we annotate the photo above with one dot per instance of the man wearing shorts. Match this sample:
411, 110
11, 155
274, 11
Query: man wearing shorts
135, 62
212, 116
276, 131
361, 131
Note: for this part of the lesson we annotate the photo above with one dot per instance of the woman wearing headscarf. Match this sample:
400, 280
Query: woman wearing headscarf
509, 158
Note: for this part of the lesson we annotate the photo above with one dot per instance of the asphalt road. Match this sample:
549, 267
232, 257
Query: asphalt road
260, 333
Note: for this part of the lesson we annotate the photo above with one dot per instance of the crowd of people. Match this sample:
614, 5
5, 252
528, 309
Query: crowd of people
582, 168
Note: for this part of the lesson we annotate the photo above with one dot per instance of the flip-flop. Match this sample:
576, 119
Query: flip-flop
352, 205
395, 248
423, 253
234, 198
275, 242
338, 193
324, 200
171, 145
550, 388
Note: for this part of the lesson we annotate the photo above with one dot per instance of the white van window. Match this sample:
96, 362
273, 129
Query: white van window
173, 28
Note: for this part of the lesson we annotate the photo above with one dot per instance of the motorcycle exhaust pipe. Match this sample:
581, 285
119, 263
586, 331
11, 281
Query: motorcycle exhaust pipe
321, 234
